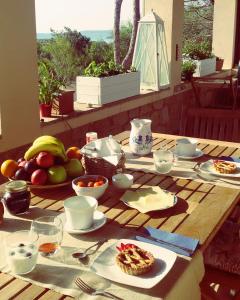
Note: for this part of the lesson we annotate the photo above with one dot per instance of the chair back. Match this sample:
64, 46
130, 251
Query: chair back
216, 124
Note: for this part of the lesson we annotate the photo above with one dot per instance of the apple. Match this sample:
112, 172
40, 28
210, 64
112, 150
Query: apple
21, 174
45, 159
30, 166
39, 177
20, 160
22, 163
74, 168
56, 174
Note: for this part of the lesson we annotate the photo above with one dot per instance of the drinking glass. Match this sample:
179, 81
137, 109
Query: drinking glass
21, 251
163, 160
50, 232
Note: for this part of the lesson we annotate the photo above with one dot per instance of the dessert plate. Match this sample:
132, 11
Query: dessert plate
208, 167
99, 219
105, 265
197, 154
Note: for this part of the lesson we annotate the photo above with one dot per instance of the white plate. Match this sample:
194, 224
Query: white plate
208, 167
99, 219
175, 199
105, 265
197, 154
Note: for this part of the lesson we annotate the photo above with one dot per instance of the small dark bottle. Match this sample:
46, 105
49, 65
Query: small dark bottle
16, 197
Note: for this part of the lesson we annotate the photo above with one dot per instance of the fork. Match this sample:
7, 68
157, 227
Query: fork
93, 292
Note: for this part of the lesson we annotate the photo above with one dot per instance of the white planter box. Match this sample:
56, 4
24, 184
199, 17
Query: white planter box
205, 67
104, 90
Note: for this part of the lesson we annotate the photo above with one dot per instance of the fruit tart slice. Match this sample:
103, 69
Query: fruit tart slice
134, 260
224, 167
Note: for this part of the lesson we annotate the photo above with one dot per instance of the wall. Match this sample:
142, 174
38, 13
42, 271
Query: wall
165, 115
224, 27
18, 76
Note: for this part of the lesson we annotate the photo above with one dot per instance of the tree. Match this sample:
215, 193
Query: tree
136, 17
116, 30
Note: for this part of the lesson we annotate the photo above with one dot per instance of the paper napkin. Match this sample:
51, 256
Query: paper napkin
149, 199
178, 243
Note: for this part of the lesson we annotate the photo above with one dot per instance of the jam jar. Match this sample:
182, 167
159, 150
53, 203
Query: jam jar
16, 197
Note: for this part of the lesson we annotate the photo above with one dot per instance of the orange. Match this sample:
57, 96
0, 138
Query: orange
74, 152
9, 167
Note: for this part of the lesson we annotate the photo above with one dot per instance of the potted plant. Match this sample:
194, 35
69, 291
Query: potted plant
188, 68
200, 53
219, 63
49, 88
106, 82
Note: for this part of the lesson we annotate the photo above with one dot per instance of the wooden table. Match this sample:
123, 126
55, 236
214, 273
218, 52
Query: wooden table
201, 210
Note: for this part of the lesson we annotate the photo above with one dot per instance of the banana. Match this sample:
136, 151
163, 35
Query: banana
49, 139
50, 147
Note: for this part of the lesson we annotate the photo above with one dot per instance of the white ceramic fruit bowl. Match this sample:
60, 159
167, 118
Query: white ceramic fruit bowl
122, 181
93, 191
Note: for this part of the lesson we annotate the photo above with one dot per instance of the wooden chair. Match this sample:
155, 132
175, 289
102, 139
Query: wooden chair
210, 123
226, 85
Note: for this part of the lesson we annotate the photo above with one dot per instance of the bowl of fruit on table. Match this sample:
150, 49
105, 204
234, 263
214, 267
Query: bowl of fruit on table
90, 185
45, 164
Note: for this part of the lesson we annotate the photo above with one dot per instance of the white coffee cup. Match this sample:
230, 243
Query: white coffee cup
186, 147
79, 211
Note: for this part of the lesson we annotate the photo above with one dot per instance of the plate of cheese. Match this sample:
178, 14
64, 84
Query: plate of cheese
149, 199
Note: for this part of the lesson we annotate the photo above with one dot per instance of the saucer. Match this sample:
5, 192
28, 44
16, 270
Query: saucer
197, 154
99, 219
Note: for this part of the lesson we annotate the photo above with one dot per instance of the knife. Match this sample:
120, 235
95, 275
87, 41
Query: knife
168, 245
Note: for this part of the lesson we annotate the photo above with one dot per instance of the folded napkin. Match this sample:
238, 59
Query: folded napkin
230, 158
149, 199
175, 242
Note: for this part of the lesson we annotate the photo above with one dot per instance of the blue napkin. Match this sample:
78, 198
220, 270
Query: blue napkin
175, 242
230, 158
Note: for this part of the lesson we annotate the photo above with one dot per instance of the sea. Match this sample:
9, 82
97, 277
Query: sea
94, 35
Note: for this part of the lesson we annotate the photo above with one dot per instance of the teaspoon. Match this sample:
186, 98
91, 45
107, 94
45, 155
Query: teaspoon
81, 255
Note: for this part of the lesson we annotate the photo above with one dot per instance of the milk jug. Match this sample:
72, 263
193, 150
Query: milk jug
141, 136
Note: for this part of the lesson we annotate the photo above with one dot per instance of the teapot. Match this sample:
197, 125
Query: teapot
141, 136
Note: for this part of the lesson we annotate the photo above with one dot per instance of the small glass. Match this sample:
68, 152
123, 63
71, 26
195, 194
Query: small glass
91, 136
50, 232
163, 161
21, 251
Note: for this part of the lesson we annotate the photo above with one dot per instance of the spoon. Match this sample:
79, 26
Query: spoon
81, 255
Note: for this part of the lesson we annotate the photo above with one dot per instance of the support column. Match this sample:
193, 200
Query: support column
224, 29
172, 13
19, 107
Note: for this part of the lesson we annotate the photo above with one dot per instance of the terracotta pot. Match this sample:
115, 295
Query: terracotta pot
219, 64
64, 104
45, 110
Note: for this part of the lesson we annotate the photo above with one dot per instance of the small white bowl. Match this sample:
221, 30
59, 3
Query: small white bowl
122, 181
95, 191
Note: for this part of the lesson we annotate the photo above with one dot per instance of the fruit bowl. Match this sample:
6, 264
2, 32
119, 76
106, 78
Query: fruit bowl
90, 185
45, 186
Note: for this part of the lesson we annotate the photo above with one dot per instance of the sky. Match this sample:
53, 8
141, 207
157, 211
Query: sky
78, 14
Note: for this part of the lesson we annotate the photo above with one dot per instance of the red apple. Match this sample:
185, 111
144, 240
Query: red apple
45, 159
22, 163
39, 177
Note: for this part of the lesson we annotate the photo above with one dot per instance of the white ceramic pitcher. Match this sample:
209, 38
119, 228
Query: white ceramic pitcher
141, 136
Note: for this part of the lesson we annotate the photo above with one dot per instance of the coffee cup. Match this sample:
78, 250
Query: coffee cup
79, 211
186, 147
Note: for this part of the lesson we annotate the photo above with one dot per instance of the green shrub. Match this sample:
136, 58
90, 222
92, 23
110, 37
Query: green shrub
103, 69
197, 50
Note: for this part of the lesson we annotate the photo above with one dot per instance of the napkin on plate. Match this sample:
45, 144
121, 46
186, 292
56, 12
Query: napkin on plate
178, 243
230, 158
149, 199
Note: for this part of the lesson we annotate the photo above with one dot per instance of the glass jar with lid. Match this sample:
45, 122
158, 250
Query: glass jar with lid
16, 197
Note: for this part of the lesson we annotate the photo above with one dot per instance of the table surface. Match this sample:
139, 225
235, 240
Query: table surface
201, 210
